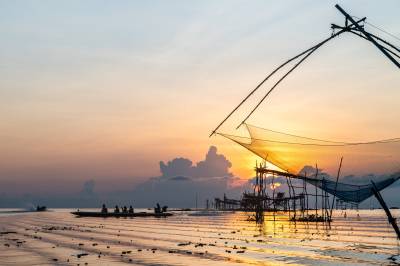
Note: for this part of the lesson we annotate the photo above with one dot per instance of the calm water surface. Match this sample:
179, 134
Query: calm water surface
57, 237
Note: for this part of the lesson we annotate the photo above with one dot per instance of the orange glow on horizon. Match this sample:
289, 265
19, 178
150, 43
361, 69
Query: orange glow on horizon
275, 185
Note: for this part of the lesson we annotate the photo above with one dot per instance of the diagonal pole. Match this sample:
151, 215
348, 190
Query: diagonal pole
257, 87
368, 36
391, 219
312, 49
345, 29
386, 49
334, 194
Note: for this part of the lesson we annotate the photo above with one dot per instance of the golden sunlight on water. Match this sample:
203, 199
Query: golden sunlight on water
214, 238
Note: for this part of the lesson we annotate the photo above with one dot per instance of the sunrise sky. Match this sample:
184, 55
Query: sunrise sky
105, 90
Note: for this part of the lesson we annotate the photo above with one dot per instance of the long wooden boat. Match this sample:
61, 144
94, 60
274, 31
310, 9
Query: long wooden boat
122, 215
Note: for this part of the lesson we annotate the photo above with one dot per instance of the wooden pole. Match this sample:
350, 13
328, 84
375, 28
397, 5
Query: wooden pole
316, 201
305, 187
290, 193
337, 179
391, 220
322, 199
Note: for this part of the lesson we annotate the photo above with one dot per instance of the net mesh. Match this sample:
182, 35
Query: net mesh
352, 193
363, 161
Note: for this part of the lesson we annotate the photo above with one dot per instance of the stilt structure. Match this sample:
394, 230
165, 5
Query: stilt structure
260, 201
227, 204
296, 204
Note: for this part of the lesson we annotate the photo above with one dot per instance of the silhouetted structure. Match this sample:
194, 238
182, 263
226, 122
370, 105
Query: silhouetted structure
273, 151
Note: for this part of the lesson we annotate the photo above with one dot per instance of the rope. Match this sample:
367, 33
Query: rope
380, 29
315, 144
292, 135
331, 141
338, 143
376, 37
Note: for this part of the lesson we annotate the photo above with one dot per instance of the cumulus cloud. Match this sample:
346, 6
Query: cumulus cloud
214, 165
176, 167
182, 182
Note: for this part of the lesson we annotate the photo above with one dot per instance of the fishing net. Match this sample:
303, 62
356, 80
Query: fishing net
349, 192
362, 161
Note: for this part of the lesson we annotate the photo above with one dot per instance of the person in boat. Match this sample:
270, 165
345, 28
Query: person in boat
116, 210
104, 209
124, 209
157, 209
131, 209
164, 208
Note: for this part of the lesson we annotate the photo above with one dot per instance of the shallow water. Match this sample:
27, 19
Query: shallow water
57, 237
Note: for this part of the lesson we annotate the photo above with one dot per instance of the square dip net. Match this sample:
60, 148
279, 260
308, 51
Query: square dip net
317, 161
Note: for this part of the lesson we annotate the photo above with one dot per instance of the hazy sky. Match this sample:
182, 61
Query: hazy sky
104, 90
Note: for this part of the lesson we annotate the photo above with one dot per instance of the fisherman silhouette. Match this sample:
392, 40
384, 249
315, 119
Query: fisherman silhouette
104, 209
116, 209
157, 209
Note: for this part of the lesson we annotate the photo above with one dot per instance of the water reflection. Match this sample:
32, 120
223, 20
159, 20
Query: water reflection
228, 238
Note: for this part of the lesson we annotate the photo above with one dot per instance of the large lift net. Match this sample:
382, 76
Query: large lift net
317, 161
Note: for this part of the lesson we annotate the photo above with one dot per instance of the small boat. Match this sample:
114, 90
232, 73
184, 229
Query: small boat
122, 215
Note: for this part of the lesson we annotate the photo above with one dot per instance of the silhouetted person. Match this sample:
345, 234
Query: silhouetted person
157, 209
164, 208
131, 209
104, 209
116, 209
124, 209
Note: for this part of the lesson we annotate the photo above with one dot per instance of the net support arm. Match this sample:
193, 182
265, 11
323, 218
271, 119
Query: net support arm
310, 51
258, 86
347, 28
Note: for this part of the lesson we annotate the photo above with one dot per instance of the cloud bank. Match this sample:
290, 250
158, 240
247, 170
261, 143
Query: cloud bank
182, 183
214, 165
